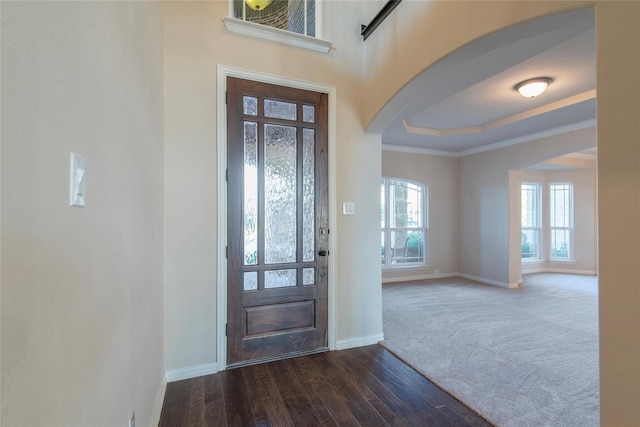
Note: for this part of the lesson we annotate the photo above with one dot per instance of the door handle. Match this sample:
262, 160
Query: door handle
323, 252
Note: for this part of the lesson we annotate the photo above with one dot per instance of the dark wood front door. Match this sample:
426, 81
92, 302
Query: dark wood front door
277, 221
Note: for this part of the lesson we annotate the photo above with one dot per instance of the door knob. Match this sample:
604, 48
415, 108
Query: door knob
322, 253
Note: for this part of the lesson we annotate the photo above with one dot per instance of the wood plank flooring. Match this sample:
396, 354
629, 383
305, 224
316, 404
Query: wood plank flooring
366, 386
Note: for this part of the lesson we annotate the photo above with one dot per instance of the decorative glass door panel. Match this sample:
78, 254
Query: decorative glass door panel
280, 194
277, 221
250, 193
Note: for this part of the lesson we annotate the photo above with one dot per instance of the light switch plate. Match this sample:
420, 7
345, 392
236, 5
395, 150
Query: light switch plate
348, 208
77, 181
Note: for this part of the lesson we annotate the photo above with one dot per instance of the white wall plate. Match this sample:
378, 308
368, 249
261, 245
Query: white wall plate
348, 208
77, 181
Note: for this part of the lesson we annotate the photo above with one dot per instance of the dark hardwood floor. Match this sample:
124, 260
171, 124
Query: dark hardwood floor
365, 386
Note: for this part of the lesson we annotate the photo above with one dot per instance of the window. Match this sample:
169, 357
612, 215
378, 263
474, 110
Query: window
561, 220
296, 16
403, 220
530, 220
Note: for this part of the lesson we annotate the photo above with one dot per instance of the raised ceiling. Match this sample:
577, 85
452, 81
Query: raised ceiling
467, 103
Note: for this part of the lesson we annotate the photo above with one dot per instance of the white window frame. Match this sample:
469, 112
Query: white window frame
252, 29
537, 229
568, 228
389, 230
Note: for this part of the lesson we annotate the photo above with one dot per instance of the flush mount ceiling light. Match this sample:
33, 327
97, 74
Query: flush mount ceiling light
533, 87
258, 4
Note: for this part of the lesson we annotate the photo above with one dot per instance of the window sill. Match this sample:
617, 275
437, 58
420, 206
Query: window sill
532, 260
562, 261
238, 26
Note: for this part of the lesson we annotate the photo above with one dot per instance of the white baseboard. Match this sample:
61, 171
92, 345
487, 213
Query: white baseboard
157, 405
489, 281
359, 342
211, 368
418, 277
559, 270
533, 270
444, 275
191, 372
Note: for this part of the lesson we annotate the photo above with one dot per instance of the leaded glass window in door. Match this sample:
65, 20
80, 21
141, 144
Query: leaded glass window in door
277, 215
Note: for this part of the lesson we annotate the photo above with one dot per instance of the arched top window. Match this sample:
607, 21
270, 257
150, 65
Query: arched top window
403, 222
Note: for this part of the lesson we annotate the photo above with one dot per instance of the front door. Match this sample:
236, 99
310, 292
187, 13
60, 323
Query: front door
277, 211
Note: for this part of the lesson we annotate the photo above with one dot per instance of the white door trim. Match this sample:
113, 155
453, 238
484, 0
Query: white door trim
222, 73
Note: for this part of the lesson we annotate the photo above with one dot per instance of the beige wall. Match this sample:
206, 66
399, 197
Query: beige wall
414, 36
196, 41
440, 174
82, 288
584, 218
486, 225
483, 192
618, 69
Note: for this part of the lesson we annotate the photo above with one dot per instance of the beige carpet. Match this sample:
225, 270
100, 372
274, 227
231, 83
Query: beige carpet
519, 357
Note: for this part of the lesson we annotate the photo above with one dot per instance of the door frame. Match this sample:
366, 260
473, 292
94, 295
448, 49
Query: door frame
223, 72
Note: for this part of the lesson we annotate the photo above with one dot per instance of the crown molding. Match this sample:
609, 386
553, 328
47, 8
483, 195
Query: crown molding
583, 156
530, 137
500, 144
565, 102
417, 150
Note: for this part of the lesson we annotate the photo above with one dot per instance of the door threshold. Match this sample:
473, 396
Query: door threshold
275, 358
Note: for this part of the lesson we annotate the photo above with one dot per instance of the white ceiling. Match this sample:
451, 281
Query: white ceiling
466, 103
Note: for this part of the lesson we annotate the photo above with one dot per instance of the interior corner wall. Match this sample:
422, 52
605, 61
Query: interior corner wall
196, 42
485, 232
515, 263
440, 175
585, 242
618, 103
82, 288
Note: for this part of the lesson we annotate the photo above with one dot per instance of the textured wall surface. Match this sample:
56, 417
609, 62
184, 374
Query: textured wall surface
440, 174
86, 320
82, 288
196, 42
619, 210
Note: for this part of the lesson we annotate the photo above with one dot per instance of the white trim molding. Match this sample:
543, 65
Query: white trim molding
191, 372
531, 137
416, 150
423, 130
583, 156
489, 281
445, 275
157, 404
223, 72
495, 145
418, 277
569, 271
535, 270
359, 341
246, 28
